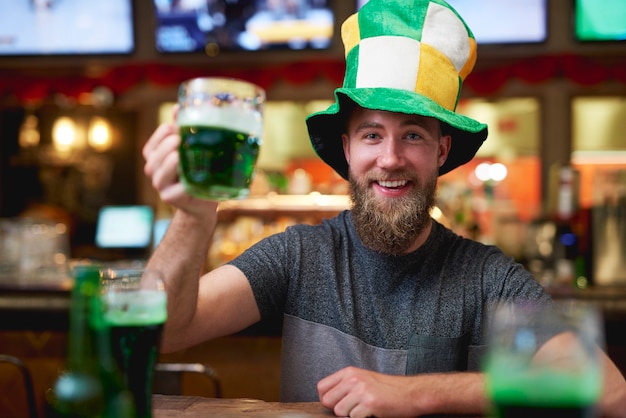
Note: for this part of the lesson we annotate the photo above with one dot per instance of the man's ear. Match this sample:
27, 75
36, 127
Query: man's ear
445, 143
346, 147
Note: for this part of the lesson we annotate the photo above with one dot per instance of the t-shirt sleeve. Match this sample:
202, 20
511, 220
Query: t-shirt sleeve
516, 282
263, 264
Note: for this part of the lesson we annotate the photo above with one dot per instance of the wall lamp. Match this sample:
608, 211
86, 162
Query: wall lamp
64, 135
99, 134
69, 135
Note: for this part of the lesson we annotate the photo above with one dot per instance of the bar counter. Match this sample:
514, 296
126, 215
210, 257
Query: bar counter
53, 296
197, 407
34, 321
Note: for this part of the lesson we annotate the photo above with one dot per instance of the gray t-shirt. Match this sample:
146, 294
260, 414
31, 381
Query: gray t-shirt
343, 304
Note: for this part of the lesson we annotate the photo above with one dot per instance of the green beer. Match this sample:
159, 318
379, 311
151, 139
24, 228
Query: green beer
518, 391
217, 162
221, 125
136, 320
543, 359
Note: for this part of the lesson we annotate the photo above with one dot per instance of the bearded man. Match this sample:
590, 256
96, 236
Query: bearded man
382, 307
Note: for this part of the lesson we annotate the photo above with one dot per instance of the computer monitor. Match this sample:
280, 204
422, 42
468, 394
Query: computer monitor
125, 230
600, 21
503, 22
159, 229
226, 25
69, 28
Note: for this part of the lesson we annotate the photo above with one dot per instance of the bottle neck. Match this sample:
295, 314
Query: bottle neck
566, 206
82, 344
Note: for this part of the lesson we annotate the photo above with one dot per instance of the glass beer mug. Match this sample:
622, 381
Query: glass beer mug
134, 305
221, 123
543, 361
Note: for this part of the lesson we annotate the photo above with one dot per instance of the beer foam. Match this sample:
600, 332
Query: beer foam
141, 307
222, 117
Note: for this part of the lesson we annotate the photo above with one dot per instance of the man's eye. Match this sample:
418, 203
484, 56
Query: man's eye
413, 136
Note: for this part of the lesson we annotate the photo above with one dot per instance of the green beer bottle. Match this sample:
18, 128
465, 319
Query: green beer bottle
90, 387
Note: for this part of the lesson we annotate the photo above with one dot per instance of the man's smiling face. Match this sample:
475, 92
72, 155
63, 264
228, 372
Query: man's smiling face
394, 160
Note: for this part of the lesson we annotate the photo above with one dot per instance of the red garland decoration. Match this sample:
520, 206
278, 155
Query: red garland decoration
27, 88
487, 82
619, 73
536, 70
584, 71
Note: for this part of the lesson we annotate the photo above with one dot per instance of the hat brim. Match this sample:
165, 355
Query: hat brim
326, 127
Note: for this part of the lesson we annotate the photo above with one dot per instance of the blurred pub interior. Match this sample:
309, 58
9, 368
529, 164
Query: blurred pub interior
84, 83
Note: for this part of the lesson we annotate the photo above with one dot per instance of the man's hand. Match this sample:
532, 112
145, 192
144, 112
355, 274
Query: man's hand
161, 155
356, 393
360, 393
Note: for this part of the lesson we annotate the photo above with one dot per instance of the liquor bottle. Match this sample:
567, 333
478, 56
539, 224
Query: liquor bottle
89, 387
569, 247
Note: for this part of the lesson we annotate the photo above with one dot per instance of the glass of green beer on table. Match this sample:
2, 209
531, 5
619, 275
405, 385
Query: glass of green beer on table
543, 361
221, 124
135, 309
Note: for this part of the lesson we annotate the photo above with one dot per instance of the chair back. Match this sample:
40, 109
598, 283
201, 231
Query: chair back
27, 380
168, 378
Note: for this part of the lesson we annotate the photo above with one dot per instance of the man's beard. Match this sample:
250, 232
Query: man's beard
392, 225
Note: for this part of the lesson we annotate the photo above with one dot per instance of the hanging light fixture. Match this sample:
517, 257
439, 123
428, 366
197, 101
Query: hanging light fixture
99, 134
29, 132
491, 172
64, 134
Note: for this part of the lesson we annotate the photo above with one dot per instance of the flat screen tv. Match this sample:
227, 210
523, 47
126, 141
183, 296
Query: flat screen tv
503, 21
243, 25
124, 227
66, 27
159, 229
603, 20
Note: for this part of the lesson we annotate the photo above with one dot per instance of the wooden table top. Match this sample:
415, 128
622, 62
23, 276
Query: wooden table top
166, 406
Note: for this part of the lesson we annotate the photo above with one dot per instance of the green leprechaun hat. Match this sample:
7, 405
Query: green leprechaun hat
407, 56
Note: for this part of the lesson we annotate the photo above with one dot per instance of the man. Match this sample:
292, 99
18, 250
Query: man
382, 307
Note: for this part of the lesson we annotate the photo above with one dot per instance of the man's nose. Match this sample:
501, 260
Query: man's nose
392, 154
